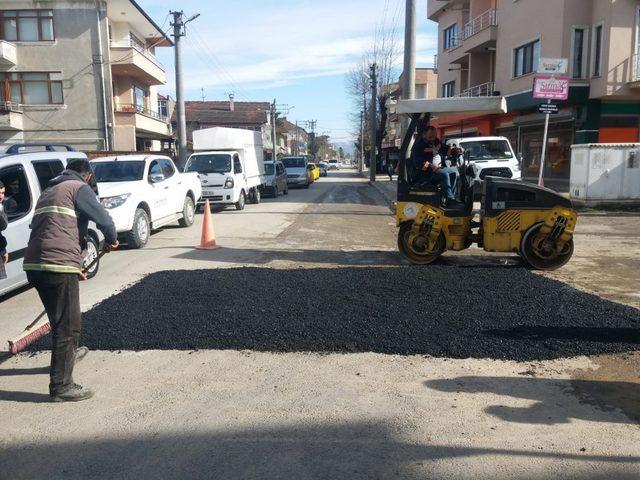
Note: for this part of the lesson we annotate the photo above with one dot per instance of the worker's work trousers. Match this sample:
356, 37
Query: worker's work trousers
60, 295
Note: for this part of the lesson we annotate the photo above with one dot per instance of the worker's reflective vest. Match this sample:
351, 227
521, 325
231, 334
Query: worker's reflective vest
54, 245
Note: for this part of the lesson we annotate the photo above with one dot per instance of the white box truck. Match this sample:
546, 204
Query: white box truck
230, 162
604, 173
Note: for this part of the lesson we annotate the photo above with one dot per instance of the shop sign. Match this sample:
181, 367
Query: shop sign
551, 87
553, 66
549, 108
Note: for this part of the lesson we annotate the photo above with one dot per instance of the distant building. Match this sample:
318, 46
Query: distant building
246, 115
296, 138
82, 73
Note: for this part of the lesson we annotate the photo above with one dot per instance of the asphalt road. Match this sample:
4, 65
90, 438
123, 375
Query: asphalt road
245, 414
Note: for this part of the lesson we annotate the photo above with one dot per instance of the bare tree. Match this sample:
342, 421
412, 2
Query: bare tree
386, 53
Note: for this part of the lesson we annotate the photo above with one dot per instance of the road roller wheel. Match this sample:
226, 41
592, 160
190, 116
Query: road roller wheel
416, 252
539, 257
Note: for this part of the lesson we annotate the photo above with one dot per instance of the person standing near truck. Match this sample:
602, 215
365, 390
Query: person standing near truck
54, 265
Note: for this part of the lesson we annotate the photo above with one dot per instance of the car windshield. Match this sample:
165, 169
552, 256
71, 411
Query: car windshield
210, 163
487, 149
294, 162
118, 171
335, 161
268, 168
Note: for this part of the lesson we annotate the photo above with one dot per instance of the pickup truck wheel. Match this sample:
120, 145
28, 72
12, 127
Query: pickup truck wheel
286, 190
188, 213
241, 201
257, 196
139, 235
92, 253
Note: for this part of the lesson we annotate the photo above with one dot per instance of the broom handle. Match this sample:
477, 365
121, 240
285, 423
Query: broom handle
88, 267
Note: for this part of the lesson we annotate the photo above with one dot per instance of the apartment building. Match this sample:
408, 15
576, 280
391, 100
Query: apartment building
493, 47
426, 87
81, 72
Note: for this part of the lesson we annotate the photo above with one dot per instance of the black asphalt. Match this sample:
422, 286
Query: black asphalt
444, 311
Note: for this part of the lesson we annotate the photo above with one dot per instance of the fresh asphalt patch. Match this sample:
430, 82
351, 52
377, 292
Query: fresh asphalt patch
497, 312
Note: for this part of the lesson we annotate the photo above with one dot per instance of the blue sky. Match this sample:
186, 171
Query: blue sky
297, 51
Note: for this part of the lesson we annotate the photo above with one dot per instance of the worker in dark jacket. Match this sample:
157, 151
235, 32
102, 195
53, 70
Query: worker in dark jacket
4, 222
54, 265
428, 167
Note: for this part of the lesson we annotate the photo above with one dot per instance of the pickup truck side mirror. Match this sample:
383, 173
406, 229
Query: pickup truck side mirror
156, 178
519, 157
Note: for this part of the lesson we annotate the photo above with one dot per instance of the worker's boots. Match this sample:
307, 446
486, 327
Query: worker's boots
75, 393
81, 352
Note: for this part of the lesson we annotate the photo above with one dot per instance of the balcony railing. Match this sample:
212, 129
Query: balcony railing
138, 48
635, 68
481, 22
8, 107
130, 108
483, 90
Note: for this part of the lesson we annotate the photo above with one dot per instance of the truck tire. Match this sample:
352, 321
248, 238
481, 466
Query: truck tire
241, 201
188, 213
93, 249
139, 235
257, 196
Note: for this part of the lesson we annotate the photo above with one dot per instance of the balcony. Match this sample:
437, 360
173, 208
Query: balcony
483, 90
635, 71
11, 117
142, 119
8, 54
454, 54
481, 32
128, 58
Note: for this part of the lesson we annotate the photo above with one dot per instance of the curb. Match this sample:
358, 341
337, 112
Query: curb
390, 199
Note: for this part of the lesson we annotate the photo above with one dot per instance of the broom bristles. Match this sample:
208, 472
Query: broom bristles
20, 343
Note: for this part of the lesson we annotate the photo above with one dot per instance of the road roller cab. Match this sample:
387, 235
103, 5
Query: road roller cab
533, 222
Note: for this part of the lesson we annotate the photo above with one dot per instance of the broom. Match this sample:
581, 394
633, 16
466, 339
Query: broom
38, 329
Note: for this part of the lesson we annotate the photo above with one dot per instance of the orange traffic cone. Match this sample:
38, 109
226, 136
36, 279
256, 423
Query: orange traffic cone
208, 240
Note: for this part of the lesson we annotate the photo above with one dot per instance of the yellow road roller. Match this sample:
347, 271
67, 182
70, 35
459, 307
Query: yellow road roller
531, 221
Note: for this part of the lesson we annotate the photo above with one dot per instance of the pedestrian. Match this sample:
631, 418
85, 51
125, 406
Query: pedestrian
390, 169
54, 265
4, 222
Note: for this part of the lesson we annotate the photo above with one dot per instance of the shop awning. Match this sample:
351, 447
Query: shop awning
453, 105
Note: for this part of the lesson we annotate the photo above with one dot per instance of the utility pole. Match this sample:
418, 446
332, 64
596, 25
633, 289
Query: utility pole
179, 32
274, 130
361, 163
297, 139
373, 157
409, 83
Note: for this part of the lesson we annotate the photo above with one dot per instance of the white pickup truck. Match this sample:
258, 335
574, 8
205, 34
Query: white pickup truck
145, 192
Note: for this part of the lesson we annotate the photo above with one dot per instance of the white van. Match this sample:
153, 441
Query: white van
230, 162
25, 171
489, 156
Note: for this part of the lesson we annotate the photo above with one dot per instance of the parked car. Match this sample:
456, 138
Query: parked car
276, 179
334, 165
298, 174
144, 193
489, 156
324, 167
315, 171
26, 172
230, 162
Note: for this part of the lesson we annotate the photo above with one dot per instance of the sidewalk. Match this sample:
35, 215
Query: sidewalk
388, 189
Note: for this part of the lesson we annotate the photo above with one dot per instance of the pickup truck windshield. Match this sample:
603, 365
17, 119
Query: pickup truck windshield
210, 163
294, 162
487, 150
117, 171
268, 168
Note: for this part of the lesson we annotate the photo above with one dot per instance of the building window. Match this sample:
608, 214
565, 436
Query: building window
597, 50
451, 37
139, 95
579, 50
448, 89
31, 88
163, 109
27, 25
526, 58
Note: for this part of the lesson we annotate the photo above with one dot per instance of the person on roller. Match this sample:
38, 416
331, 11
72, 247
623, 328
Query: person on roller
428, 168
54, 265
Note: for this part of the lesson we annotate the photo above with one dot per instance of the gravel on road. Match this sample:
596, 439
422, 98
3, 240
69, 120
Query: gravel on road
458, 312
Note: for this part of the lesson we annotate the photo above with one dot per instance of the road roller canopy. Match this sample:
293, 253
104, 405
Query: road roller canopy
454, 105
